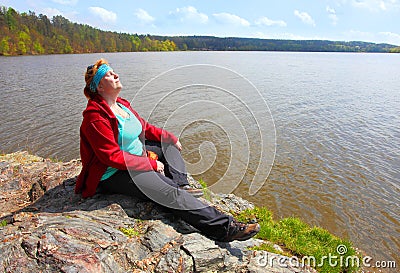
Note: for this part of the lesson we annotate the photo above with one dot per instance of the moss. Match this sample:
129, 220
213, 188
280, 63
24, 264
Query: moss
302, 241
139, 228
130, 232
206, 191
3, 223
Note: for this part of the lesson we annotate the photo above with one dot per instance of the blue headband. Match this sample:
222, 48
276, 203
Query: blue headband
103, 69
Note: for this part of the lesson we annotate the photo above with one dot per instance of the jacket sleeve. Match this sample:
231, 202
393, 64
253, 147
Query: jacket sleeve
101, 137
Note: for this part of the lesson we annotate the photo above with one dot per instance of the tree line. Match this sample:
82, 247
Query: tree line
254, 44
28, 33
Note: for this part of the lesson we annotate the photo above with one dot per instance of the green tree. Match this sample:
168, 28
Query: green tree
4, 46
38, 47
395, 50
11, 19
21, 48
26, 39
44, 25
146, 44
168, 45
61, 45
136, 42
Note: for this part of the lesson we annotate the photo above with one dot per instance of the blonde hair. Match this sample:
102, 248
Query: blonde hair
89, 75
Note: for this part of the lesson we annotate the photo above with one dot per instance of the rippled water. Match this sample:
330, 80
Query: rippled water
336, 118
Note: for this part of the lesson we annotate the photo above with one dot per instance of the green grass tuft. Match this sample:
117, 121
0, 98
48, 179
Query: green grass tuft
303, 241
206, 191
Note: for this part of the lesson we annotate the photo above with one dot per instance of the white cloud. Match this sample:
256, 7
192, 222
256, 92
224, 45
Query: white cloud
281, 35
190, 14
105, 15
380, 37
369, 4
347, 36
356, 35
332, 15
390, 37
376, 5
268, 22
232, 19
143, 17
50, 12
305, 17
66, 2
330, 10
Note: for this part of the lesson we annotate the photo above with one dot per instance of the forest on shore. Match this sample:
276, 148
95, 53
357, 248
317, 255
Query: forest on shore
30, 34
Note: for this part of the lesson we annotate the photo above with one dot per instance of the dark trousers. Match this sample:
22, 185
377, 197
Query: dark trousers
165, 191
169, 155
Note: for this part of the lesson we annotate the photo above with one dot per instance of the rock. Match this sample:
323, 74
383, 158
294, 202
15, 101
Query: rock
50, 229
25, 178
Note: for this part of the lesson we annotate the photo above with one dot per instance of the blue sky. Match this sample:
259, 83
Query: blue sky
340, 20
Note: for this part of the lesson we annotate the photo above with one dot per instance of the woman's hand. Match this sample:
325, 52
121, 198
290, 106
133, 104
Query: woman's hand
160, 167
178, 145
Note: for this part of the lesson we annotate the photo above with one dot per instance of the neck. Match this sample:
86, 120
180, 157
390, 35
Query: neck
110, 100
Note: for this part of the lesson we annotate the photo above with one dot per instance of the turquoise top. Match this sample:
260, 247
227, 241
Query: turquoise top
128, 138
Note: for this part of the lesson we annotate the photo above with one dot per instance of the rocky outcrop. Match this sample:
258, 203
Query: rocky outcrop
47, 228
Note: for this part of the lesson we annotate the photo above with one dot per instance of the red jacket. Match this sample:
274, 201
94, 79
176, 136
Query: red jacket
99, 145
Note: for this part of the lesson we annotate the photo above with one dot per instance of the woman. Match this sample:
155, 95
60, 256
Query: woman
114, 159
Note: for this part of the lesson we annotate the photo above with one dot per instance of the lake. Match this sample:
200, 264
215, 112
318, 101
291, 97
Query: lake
310, 135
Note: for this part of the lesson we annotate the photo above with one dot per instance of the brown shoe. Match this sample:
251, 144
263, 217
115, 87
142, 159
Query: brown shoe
193, 191
241, 231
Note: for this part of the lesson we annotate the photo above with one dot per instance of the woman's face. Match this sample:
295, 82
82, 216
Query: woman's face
110, 82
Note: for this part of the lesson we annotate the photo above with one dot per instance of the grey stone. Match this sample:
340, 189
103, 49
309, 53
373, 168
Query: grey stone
55, 230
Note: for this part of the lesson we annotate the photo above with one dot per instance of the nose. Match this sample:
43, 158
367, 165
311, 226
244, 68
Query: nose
115, 75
